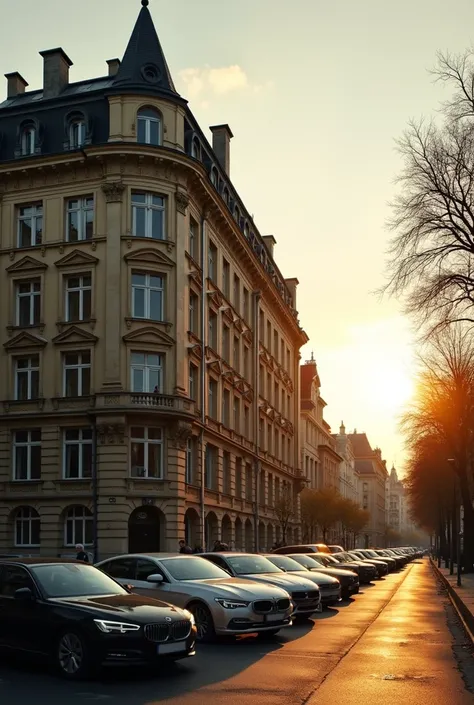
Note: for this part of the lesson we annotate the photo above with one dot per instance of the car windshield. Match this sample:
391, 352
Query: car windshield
75, 580
252, 565
193, 569
285, 563
371, 553
326, 559
311, 563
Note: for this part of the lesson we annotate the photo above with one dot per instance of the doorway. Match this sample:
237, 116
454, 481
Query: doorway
145, 530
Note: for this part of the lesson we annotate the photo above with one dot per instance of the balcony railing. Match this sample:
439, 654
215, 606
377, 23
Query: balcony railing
143, 400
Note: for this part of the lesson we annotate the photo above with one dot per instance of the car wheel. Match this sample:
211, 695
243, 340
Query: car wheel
204, 622
72, 656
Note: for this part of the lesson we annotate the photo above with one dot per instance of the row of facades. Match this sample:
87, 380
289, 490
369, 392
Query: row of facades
151, 386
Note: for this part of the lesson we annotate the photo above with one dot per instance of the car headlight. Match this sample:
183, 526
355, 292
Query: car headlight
104, 625
231, 604
190, 616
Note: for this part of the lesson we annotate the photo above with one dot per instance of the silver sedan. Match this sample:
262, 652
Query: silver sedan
220, 604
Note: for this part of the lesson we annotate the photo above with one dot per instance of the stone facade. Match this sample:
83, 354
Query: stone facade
349, 478
149, 343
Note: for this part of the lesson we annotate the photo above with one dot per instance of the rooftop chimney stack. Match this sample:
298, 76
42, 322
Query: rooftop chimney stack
114, 65
221, 137
292, 285
16, 84
270, 242
55, 72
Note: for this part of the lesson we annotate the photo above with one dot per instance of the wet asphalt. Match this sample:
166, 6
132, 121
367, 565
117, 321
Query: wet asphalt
399, 641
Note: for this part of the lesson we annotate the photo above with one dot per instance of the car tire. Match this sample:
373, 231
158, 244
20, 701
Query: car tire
204, 623
72, 657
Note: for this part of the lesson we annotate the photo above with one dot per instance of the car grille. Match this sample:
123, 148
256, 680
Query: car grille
283, 605
159, 633
263, 606
310, 595
327, 588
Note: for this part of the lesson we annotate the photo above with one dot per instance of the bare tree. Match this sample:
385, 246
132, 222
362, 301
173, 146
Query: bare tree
284, 510
431, 262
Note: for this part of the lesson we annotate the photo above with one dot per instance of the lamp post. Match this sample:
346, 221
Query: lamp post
456, 533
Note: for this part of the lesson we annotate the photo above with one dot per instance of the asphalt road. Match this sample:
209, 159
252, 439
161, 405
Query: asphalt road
397, 642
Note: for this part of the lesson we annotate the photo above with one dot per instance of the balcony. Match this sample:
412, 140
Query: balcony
141, 401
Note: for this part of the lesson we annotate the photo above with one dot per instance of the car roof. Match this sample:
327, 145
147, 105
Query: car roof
151, 554
41, 561
227, 554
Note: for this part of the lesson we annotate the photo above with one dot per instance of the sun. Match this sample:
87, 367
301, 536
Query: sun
391, 385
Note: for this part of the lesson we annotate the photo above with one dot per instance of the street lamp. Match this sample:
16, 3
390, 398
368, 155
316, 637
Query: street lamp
456, 533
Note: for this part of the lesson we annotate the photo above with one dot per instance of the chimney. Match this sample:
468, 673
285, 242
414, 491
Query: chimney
114, 65
270, 242
16, 84
221, 137
55, 72
292, 284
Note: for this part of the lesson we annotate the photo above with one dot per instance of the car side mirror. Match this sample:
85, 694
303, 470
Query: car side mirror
24, 594
155, 578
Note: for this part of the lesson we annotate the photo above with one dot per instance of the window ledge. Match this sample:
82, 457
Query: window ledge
36, 326
130, 238
165, 325
85, 402
23, 405
26, 483
88, 322
79, 484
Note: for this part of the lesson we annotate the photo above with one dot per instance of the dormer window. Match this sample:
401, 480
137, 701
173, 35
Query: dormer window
28, 139
237, 214
225, 195
214, 177
247, 230
149, 126
77, 133
195, 148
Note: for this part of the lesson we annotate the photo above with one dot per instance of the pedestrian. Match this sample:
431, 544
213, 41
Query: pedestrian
81, 554
184, 548
198, 549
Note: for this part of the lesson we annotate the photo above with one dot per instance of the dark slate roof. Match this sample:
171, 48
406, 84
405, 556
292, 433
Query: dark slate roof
81, 88
144, 64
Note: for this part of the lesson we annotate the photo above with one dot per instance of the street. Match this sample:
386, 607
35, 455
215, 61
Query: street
399, 641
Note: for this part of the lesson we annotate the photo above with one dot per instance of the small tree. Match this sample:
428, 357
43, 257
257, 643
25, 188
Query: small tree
284, 510
320, 508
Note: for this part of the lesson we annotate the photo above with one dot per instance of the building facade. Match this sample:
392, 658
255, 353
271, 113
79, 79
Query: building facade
372, 473
150, 344
349, 478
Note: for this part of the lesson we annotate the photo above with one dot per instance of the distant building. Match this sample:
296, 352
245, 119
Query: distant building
396, 503
348, 476
372, 472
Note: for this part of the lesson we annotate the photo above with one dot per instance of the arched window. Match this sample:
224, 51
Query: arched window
28, 139
214, 176
237, 214
225, 195
27, 525
195, 148
77, 132
78, 526
149, 126
247, 230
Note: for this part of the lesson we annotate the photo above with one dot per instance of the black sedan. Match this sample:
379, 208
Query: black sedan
80, 619
298, 562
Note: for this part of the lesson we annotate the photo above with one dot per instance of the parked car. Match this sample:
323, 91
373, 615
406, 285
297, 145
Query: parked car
335, 549
80, 619
290, 564
304, 594
367, 570
398, 556
380, 565
220, 604
304, 548
370, 554
366, 573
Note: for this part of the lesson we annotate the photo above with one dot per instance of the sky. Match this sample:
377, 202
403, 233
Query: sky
316, 93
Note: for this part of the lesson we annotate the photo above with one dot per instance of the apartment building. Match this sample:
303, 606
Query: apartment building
148, 341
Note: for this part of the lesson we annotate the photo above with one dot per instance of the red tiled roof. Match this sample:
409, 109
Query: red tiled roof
360, 445
307, 373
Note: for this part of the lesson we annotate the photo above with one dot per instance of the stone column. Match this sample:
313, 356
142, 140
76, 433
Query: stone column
180, 328
178, 434
113, 301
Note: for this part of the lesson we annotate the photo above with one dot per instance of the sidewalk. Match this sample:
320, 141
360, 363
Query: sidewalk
462, 597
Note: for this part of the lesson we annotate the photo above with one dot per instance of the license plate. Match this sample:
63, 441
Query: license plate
274, 617
172, 648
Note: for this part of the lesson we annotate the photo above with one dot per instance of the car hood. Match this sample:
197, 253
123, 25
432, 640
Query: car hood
127, 607
336, 572
241, 588
361, 564
284, 580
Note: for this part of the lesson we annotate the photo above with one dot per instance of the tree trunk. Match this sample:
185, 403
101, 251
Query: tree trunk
468, 529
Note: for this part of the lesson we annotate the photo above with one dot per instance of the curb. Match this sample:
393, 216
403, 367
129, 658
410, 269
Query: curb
464, 613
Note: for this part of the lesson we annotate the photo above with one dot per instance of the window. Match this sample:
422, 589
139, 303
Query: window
149, 127
226, 472
212, 262
269, 336
27, 524
80, 219
191, 456
145, 569
238, 477
246, 362
212, 339
226, 343
77, 133
193, 381
269, 438
214, 177
28, 139
275, 344
236, 293
78, 526
226, 408
147, 372
27, 377
77, 453
193, 313
77, 374
226, 278
237, 414
210, 467
148, 216
195, 148
193, 238
246, 304
147, 296
236, 354
124, 568
30, 225
27, 455
78, 298
212, 400
246, 422
248, 483
270, 489
261, 489
14, 578
147, 453
261, 323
